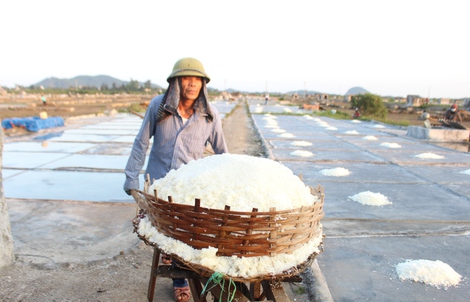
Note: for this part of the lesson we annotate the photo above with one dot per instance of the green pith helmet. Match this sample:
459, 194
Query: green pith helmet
188, 67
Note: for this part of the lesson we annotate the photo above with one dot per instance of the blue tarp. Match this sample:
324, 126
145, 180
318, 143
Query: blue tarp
33, 124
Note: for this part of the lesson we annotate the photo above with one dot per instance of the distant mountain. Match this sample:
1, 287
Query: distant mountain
302, 92
356, 90
88, 81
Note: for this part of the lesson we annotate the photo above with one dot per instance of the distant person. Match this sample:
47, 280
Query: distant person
452, 114
356, 114
43, 99
266, 98
181, 122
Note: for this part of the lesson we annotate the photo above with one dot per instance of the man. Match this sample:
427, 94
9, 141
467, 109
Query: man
452, 114
182, 123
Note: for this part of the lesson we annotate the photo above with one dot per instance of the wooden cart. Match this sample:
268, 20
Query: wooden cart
234, 234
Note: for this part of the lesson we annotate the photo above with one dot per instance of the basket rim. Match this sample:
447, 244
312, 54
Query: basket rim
154, 198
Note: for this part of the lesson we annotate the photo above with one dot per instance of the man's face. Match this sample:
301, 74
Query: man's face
190, 88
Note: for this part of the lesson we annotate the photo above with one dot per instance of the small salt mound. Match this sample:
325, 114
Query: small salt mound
390, 145
286, 135
355, 121
317, 119
287, 110
243, 182
274, 126
302, 153
258, 109
331, 128
308, 117
351, 132
335, 172
370, 138
429, 155
303, 144
278, 130
435, 273
378, 126
323, 124
371, 199
466, 172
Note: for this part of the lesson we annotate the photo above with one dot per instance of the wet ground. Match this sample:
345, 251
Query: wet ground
54, 179
429, 217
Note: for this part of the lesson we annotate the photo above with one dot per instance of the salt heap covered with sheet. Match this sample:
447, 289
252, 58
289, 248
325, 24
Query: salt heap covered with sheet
243, 183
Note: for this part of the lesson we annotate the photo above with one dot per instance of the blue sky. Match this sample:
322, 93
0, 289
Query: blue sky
387, 47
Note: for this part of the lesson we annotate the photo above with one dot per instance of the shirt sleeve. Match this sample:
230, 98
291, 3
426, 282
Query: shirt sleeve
139, 148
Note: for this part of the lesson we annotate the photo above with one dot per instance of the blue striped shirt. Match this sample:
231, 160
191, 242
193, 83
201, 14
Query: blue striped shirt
174, 142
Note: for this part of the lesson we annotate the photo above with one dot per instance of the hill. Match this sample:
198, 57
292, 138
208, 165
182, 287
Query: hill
356, 90
84, 81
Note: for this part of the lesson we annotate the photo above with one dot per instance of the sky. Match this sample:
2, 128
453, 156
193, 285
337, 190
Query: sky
390, 48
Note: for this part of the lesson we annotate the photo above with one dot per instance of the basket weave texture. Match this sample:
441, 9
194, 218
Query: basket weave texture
243, 234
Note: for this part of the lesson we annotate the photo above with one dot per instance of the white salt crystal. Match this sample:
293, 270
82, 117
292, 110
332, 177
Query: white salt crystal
435, 273
466, 172
240, 181
370, 198
390, 145
429, 155
286, 135
335, 172
302, 153
301, 143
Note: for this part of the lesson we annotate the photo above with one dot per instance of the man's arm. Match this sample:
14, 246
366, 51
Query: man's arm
139, 148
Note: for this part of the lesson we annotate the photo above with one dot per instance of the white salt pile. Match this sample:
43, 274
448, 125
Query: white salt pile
466, 172
351, 132
435, 273
323, 124
378, 126
302, 153
301, 143
243, 182
355, 121
429, 155
287, 109
335, 172
391, 145
278, 130
370, 138
371, 199
308, 117
331, 128
286, 135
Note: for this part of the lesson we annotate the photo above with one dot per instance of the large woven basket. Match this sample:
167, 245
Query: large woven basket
243, 234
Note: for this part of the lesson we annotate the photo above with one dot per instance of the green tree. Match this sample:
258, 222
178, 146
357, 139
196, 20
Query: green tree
148, 84
370, 104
